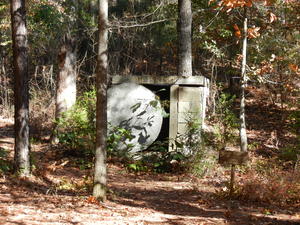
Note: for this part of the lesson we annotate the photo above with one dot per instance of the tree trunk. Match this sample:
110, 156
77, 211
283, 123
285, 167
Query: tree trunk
243, 134
66, 80
184, 28
20, 62
100, 174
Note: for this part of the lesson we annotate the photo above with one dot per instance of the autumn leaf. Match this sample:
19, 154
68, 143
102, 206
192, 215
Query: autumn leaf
293, 67
211, 1
92, 200
228, 5
248, 3
290, 1
253, 32
272, 17
237, 32
268, 2
231, 4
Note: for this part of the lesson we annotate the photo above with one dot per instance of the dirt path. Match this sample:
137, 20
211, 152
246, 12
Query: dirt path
59, 194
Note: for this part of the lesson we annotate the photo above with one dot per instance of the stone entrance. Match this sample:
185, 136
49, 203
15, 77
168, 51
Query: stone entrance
187, 96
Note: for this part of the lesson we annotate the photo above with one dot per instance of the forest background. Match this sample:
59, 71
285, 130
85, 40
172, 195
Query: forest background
143, 41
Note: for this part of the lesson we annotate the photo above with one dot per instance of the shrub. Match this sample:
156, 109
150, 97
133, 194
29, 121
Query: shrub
266, 183
76, 127
5, 165
161, 160
189, 143
226, 122
158, 159
118, 136
282, 188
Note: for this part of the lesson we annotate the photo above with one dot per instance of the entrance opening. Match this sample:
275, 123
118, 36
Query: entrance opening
163, 92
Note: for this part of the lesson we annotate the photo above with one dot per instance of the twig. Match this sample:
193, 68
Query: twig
108, 207
138, 25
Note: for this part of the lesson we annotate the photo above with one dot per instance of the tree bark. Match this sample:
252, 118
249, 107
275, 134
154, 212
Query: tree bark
21, 94
66, 80
243, 134
184, 28
100, 173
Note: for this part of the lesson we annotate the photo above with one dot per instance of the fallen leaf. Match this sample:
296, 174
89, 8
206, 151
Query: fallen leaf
272, 17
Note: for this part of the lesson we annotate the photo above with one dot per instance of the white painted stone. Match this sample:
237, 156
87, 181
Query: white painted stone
135, 108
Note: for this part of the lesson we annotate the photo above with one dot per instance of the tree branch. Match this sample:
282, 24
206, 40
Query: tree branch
138, 25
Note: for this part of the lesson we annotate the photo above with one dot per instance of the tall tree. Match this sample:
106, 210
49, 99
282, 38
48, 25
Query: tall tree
66, 80
184, 28
243, 134
20, 62
228, 6
100, 173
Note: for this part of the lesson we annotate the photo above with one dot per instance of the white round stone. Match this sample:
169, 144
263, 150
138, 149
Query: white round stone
135, 108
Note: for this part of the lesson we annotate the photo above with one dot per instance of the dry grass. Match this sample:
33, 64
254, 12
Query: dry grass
279, 188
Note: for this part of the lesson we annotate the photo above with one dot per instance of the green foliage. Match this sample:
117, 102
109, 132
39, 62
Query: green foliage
76, 130
224, 109
142, 46
119, 136
166, 162
76, 127
47, 24
5, 39
46, 15
84, 163
225, 120
295, 121
289, 153
169, 162
157, 159
5, 165
192, 147
264, 167
253, 145
292, 151
136, 167
198, 158
203, 163
212, 47
189, 143
161, 160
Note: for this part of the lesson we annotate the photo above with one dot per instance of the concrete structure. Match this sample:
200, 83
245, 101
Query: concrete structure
187, 96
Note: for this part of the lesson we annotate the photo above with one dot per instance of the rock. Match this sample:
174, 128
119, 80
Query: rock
135, 108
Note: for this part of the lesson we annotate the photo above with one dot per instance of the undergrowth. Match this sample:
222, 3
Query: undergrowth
76, 134
281, 188
76, 128
264, 182
5, 165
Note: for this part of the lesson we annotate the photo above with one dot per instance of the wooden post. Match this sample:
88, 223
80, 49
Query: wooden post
232, 158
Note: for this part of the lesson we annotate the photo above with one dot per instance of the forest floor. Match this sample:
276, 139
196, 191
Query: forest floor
59, 191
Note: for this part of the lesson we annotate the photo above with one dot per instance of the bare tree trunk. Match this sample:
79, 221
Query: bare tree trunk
20, 62
184, 28
66, 80
243, 134
100, 173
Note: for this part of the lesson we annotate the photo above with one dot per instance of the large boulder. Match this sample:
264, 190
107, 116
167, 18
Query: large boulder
137, 109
